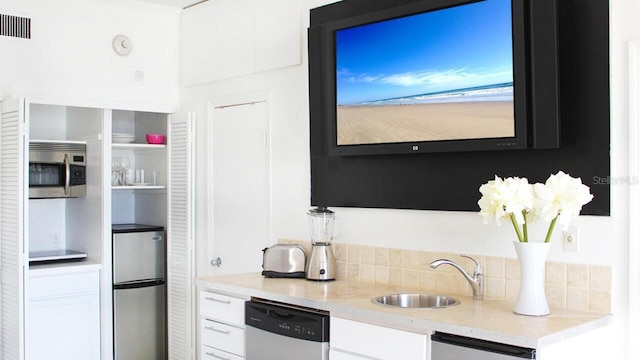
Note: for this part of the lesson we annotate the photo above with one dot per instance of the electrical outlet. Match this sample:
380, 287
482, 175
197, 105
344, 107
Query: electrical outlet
570, 239
55, 241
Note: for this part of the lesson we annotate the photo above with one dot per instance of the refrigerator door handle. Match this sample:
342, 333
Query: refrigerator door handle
138, 284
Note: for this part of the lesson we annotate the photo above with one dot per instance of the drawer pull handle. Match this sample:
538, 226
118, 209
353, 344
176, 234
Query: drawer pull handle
217, 356
227, 332
228, 302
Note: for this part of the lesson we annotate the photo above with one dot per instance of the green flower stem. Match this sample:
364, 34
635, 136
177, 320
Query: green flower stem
524, 227
550, 231
516, 227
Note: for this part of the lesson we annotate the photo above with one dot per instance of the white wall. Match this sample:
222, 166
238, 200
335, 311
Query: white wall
603, 240
70, 54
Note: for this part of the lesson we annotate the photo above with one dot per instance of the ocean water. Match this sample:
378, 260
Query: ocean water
495, 92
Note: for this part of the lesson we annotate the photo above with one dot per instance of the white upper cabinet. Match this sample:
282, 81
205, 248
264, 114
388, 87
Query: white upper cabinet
228, 38
277, 34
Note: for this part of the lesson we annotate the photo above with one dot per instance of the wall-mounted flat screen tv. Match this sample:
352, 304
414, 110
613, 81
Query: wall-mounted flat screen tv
427, 76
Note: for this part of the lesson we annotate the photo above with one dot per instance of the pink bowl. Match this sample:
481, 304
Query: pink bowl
155, 138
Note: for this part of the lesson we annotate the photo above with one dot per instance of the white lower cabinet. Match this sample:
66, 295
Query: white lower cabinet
353, 340
222, 329
209, 353
222, 336
64, 316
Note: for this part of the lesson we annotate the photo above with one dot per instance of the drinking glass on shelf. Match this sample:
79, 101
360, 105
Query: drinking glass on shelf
120, 168
125, 164
116, 170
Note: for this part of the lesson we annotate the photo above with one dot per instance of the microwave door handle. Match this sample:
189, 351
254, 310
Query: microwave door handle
67, 174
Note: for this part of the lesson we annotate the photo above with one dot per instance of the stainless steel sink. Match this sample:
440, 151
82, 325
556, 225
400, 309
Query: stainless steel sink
416, 301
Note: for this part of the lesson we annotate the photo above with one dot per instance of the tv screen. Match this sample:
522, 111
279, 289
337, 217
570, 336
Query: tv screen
427, 76
439, 75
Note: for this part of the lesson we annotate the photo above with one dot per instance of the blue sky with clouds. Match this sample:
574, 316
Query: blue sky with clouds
454, 48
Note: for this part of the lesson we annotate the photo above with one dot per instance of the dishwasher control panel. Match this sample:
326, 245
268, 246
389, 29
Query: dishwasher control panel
288, 320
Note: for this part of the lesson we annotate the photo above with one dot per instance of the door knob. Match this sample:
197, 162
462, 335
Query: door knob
217, 262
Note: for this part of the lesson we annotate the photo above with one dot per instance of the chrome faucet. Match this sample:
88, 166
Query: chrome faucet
476, 281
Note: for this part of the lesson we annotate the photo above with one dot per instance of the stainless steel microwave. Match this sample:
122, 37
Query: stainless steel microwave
57, 169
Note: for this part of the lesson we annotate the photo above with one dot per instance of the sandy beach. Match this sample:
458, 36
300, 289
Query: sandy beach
424, 122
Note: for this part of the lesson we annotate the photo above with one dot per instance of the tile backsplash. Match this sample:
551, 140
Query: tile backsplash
569, 286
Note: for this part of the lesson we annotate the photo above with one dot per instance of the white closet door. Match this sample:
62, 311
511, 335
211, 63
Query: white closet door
14, 249
634, 198
239, 187
180, 291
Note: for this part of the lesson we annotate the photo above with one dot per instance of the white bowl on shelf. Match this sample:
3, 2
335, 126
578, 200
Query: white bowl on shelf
122, 138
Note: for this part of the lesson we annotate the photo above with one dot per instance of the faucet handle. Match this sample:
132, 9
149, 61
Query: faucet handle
478, 269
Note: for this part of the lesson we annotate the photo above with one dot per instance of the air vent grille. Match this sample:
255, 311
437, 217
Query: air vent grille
52, 146
15, 26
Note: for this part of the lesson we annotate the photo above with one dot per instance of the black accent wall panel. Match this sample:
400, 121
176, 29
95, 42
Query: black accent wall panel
450, 181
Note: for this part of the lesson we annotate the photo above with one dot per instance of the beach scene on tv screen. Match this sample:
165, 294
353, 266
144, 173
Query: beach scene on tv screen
440, 75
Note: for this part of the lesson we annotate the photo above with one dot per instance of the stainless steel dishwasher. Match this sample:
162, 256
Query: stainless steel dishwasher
278, 331
454, 347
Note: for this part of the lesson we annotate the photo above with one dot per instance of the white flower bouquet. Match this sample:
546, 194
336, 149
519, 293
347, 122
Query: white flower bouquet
559, 199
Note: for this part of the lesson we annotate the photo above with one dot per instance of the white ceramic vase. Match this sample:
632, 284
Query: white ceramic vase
532, 299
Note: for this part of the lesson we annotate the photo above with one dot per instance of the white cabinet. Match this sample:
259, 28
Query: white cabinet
227, 38
64, 314
351, 340
138, 170
164, 198
222, 329
85, 223
55, 224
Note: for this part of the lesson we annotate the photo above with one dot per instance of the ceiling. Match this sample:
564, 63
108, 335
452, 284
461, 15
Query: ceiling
174, 3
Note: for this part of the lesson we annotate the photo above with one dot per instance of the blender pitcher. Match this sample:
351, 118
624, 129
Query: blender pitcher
321, 265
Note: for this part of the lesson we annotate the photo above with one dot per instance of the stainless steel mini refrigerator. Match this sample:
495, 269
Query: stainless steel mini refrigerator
139, 292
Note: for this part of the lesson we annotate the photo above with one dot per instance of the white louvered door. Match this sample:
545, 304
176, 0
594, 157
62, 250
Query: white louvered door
180, 237
13, 232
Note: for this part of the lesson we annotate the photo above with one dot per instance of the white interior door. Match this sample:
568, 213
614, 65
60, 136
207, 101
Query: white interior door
239, 187
180, 265
634, 198
14, 247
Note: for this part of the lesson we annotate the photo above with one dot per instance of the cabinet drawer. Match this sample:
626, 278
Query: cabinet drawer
335, 354
72, 284
222, 336
222, 308
376, 342
209, 353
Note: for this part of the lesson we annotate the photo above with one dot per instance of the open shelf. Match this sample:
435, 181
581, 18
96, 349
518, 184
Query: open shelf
136, 146
139, 187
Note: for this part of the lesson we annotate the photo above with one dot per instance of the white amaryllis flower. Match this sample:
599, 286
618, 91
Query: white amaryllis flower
561, 196
559, 200
502, 198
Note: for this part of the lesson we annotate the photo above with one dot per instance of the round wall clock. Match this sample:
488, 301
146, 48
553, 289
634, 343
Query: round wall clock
122, 45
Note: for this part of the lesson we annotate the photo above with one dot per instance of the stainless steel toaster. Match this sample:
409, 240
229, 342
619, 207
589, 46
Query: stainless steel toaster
284, 261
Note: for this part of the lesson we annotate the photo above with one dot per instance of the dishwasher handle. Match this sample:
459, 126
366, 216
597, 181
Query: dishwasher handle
484, 345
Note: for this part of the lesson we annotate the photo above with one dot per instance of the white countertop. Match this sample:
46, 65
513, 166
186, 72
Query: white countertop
61, 268
489, 319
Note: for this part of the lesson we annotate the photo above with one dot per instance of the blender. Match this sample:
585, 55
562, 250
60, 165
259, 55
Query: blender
321, 265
